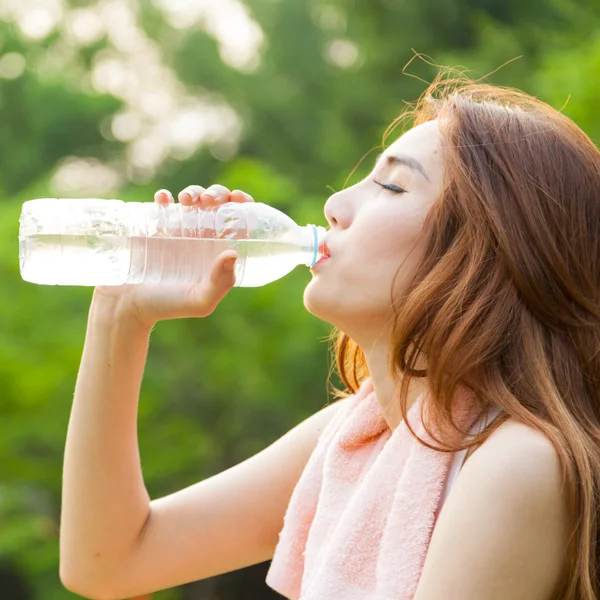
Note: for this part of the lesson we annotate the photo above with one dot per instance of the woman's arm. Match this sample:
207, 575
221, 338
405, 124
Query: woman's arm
115, 543
104, 500
105, 504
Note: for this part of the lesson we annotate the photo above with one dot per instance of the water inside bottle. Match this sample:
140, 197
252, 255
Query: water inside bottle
74, 259
114, 260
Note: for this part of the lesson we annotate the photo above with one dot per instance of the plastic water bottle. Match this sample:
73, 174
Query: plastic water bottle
110, 242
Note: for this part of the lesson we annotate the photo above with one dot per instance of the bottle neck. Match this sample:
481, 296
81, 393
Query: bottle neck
315, 244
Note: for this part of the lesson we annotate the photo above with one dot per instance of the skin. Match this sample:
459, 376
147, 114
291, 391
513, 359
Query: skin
373, 232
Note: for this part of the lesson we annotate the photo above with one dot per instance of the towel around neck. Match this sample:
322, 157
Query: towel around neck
360, 519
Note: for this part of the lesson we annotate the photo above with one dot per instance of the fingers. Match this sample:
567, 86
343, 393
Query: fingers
163, 197
215, 195
239, 196
190, 196
196, 195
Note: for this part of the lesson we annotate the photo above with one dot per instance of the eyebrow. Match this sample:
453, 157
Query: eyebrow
403, 159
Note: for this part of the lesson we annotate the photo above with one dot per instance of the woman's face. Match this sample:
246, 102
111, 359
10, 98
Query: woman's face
373, 228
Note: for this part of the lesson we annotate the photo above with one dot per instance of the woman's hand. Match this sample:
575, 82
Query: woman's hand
149, 303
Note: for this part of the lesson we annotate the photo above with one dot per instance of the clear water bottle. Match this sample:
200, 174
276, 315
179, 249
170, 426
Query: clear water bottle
110, 242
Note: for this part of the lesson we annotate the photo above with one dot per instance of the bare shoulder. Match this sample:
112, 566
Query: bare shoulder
523, 456
504, 527
520, 464
517, 461
519, 448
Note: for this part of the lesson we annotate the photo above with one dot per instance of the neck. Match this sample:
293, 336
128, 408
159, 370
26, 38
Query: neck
386, 388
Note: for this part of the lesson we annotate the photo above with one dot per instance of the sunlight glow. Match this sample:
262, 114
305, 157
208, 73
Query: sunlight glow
35, 19
126, 126
160, 118
342, 53
330, 18
86, 177
12, 65
83, 27
229, 22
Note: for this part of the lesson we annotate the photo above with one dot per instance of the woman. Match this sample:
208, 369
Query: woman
464, 280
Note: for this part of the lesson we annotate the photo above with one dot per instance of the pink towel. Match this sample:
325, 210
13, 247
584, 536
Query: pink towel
360, 519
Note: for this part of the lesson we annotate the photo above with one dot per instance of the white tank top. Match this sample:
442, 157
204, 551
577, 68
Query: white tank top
460, 456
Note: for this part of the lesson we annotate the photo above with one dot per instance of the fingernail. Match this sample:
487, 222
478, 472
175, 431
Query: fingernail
230, 263
185, 197
209, 195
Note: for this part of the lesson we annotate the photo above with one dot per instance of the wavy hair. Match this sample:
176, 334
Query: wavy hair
507, 298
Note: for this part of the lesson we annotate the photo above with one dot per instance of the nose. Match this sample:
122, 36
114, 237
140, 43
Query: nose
337, 210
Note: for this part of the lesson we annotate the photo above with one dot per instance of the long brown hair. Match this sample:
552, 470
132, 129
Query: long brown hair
507, 298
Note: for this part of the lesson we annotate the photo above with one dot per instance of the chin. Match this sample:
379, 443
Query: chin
320, 303
369, 320
326, 305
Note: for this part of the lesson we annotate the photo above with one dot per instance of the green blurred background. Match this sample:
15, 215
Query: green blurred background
281, 98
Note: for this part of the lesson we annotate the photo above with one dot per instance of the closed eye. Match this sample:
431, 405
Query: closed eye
395, 189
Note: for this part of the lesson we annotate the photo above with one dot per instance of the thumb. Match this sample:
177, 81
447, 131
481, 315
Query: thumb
212, 289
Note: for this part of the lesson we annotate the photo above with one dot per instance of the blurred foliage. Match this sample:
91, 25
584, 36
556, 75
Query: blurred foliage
311, 98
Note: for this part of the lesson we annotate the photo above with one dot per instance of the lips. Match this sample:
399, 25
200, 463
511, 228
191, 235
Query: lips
325, 253
321, 260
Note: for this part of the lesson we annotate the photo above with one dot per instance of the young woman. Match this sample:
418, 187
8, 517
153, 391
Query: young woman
464, 280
